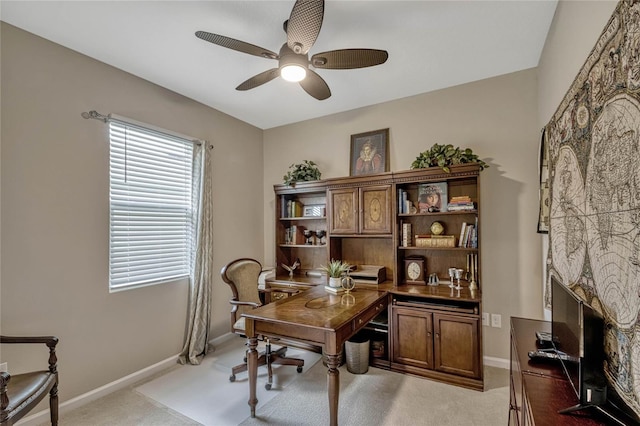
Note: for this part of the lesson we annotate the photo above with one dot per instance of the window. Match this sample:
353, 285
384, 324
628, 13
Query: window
151, 221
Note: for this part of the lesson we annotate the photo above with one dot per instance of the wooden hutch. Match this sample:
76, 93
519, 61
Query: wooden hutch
432, 331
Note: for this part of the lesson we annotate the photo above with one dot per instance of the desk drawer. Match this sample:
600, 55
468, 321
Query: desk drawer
362, 319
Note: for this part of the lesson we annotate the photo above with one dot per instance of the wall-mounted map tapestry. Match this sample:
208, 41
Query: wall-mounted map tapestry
593, 144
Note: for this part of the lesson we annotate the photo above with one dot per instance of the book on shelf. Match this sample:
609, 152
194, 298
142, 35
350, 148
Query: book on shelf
467, 235
432, 197
461, 202
460, 199
293, 235
408, 206
293, 209
462, 232
474, 237
400, 201
461, 207
404, 202
406, 234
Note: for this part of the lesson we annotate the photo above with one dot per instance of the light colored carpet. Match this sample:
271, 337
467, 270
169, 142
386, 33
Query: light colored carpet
203, 393
381, 397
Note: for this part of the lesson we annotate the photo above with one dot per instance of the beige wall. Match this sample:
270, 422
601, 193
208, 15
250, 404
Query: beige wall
497, 118
574, 31
55, 212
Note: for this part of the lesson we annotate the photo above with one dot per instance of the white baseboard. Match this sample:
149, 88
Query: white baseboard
497, 362
43, 416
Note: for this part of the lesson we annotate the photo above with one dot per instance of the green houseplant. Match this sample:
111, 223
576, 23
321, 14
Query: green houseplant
335, 269
305, 171
444, 156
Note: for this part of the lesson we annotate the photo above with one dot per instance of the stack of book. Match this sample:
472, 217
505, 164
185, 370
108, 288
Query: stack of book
404, 203
460, 203
293, 209
469, 235
293, 236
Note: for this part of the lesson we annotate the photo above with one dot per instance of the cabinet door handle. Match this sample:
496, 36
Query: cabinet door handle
359, 320
438, 335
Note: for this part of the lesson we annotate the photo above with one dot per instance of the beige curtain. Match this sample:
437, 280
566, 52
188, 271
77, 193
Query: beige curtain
199, 315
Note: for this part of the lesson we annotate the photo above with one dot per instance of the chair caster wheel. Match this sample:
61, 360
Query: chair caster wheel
299, 369
267, 386
232, 378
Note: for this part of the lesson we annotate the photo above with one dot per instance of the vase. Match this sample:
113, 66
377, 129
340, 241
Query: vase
335, 282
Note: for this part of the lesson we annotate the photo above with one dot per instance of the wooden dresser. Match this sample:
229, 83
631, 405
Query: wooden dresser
539, 389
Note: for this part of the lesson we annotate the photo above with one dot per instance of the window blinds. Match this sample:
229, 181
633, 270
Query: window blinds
151, 223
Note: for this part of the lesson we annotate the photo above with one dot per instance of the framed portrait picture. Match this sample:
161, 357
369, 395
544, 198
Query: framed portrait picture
369, 153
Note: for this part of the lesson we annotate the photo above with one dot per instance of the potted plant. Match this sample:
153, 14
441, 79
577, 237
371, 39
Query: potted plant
335, 269
445, 156
305, 171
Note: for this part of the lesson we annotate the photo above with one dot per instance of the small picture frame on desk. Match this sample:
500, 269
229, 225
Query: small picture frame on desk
314, 210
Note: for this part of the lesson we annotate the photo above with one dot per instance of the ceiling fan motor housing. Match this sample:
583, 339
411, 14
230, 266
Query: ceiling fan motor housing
289, 57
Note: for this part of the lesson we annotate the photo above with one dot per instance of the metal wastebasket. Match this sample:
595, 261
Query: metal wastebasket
357, 350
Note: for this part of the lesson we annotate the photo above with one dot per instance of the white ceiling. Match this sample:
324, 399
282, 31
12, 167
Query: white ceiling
431, 44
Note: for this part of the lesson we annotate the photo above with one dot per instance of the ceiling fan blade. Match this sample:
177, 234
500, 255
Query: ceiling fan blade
259, 79
240, 46
314, 85
345, 59
304, 25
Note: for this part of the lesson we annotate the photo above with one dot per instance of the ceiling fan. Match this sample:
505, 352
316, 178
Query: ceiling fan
302, 29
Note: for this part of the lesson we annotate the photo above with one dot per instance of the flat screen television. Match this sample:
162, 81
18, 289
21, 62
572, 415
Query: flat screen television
577, 332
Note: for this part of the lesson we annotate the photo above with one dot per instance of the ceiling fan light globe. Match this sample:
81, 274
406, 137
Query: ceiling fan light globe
293, 73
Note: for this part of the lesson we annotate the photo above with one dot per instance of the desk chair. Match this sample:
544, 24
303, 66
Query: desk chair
20, 393
242, 276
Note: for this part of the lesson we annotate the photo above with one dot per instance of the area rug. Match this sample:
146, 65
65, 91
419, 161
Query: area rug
381, 397
203, 392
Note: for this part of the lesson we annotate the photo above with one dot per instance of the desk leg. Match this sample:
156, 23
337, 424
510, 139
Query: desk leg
252, 370
333, 385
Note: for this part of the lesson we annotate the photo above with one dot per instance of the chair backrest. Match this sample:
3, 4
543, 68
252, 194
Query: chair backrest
242, 276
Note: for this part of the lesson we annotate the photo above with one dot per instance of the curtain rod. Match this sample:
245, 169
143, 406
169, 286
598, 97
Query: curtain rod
106, 118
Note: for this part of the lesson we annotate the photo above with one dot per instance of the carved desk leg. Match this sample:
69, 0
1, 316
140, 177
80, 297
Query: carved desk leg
333, 385
252, 366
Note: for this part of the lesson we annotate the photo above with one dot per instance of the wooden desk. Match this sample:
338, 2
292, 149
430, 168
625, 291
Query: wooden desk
316, 317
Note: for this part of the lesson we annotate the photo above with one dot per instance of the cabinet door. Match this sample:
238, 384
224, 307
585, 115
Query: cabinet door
343, 207
375, 210
412, 337
456, 345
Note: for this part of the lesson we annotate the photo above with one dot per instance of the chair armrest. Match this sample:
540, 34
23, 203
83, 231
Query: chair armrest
239, 303
50, 341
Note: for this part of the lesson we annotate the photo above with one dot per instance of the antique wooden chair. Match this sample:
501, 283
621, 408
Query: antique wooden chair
20, 393
242, 276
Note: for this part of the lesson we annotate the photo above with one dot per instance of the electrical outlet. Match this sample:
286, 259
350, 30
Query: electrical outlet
496, 320
485, 319
4, 367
